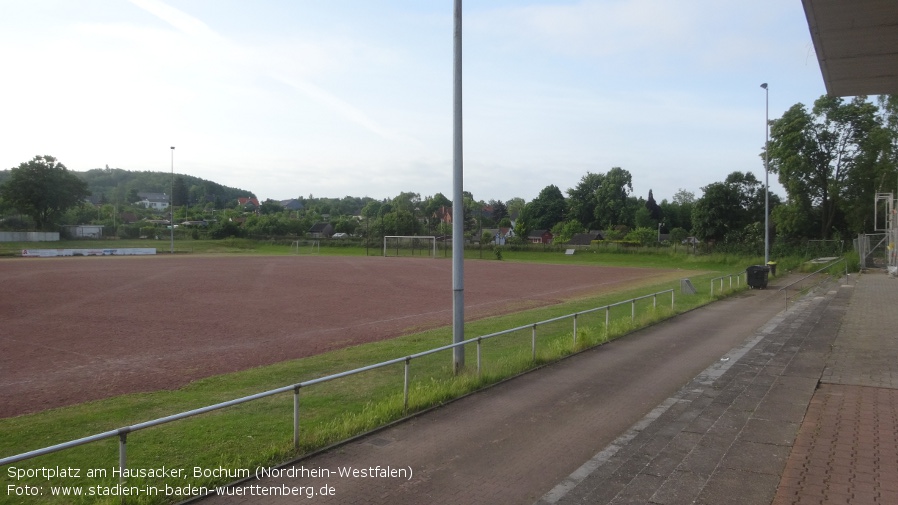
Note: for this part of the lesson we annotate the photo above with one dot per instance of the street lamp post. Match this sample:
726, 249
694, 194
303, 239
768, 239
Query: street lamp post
171, 202
766, 173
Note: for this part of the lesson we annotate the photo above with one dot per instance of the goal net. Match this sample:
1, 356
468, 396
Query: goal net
305, 247
400, 245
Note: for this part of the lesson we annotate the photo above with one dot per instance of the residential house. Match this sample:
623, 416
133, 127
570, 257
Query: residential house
292, 204
154, 201
585, 239
321, 230
443, 214
248, 204
540, 237
500, 235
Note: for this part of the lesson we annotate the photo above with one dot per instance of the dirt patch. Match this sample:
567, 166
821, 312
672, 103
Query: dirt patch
78, 329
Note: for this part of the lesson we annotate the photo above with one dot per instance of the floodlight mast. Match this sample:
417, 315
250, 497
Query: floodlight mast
766, 174
458, 216
171, 202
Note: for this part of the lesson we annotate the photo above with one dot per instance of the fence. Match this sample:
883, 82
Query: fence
122, 433
785, 288
720, 279
28, 236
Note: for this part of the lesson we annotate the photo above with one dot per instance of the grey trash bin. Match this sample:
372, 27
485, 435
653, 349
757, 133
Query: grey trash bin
756, 276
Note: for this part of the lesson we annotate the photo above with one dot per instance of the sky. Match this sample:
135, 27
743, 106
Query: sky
289, 98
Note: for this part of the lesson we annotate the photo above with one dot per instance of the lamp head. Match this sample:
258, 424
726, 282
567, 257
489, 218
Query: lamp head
763, 86
173, 147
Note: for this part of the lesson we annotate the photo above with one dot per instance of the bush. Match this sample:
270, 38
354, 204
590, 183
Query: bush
225, 229
128, 231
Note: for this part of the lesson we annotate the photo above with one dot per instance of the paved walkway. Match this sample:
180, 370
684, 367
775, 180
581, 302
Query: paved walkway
807, 414
799, 406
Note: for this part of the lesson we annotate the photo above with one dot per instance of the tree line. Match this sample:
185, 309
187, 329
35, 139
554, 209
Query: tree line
832, 159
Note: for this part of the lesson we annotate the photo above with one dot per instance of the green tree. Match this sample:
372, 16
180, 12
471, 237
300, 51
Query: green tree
179, 192
678, 213
400, 222
521, 231
407, 201
643, 218
717, 212
546, 210
565, 230
875, 171
795, 219
515, 206
582, 200
431, 210
677, 236
500, 210
653, 208
43, 189
645, 236
817, 153
371, 210
434, 203
269, 207
611, 198
727, 208
346, 224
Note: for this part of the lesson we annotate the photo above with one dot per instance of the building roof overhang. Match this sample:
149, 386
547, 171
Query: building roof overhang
857, 45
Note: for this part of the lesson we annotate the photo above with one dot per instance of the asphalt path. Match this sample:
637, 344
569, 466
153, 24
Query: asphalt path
512, 443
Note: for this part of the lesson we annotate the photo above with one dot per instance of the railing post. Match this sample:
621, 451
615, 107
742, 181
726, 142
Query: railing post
122, 457
607, 320
296, 417
672, 299
408, 365
655, 301
712, 288
575, 330
479, 339
633, 310
533, 341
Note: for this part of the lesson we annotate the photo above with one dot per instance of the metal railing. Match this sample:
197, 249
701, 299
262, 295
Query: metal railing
834, 263
720, 279
122, 433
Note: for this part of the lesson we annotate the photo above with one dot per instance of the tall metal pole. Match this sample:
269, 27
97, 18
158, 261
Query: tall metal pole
171, 202
766, 173
458, 211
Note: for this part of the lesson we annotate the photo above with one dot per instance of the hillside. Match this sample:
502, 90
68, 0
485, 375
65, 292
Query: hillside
114, 185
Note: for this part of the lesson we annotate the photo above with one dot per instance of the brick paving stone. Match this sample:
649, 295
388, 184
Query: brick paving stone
843, 448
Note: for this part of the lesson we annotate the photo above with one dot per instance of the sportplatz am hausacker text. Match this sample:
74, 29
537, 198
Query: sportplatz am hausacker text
245, 489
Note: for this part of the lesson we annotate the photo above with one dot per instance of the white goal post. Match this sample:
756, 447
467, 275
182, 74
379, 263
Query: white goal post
305, 247
407, 245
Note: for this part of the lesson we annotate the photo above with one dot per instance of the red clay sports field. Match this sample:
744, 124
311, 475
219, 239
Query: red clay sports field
84, 328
